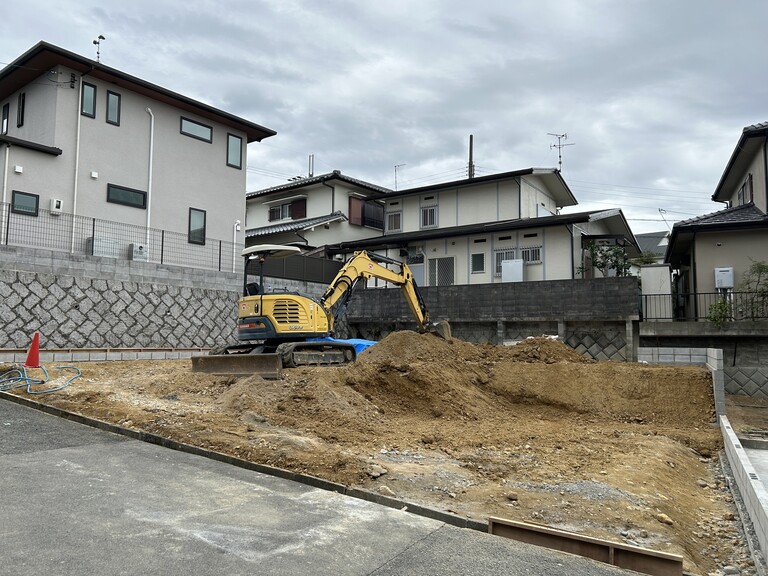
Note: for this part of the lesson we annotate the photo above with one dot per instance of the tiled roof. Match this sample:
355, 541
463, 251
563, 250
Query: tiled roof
295, 225
756, 127
302, 182
652, 242
736, 216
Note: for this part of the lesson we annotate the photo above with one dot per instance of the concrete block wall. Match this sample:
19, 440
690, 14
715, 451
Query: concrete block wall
78, 301
751, 487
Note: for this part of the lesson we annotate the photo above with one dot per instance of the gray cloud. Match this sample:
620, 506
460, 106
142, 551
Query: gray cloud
652, 94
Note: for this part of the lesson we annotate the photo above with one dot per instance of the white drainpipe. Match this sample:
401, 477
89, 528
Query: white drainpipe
149, 182
77, 163
5, 189
235, 230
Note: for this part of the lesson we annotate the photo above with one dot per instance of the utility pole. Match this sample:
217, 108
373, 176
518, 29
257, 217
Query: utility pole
559, 146
471, 163
396, 167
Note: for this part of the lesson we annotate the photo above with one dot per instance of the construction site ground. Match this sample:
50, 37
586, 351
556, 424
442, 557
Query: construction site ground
533, 432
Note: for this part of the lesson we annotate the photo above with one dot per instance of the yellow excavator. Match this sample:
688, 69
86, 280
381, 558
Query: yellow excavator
288, 329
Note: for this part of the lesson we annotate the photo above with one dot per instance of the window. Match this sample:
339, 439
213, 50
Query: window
20, 110
744, 195
440, 271
126, 196
366, 213
394, 222
478, 263
234, 151
24, 203
499, 257
88, 107
113, 108
531, 254
429, 217
4, 125
196, 226
196, 130
294, 210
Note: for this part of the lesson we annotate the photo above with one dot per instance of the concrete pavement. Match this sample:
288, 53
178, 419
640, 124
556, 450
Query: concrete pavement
81, 501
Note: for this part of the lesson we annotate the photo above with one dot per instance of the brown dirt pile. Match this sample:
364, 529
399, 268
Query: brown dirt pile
531, 432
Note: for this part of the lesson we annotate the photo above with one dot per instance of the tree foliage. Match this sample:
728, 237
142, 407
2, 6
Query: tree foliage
607, 258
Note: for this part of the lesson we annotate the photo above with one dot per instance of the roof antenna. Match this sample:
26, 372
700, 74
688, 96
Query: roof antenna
559, 146
97, 43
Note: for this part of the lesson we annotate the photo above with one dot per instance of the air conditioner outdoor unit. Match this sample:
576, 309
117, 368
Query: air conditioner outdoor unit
106, 247
57, 206
139, 252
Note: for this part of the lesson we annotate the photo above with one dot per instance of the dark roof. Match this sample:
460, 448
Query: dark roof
745, 217
738, 165
652, 242
295, 225
310, 181
404, 238
564, 198
30, 145
44, 56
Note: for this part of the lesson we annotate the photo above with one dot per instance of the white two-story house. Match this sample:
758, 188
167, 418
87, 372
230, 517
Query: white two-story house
501, 227
82, 143
315, 211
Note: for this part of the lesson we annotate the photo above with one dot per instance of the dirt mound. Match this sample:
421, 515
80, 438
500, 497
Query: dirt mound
408, 346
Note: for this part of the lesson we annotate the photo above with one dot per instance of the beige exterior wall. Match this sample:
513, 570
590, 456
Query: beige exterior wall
724, 249
757, 169
186, 172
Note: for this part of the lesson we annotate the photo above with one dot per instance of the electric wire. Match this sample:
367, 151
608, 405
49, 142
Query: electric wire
19, 378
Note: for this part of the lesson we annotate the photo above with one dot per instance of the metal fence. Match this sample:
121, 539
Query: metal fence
713, 306
95, 237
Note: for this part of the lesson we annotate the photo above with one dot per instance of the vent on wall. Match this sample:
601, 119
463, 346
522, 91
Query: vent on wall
139, 252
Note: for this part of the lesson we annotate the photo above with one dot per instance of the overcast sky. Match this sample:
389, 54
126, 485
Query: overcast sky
652, 94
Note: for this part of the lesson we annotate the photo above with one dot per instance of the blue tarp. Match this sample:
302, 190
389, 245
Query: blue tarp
358, 343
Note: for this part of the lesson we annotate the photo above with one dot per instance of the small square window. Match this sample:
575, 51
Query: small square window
478, 263
196, 226
88, 106
234, 151
24, 203
126, 196
196, 130
394, 222
113, 108
429, 217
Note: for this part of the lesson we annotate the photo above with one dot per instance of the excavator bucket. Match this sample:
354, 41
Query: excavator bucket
268, 366
442, 329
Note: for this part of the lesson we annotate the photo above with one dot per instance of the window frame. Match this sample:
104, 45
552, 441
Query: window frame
499, 257
392, 215
5, 116
424, 212
193, 238
472, 268
92, 112
531, 254
17, 210
114, 122
119, 188
230, 139
20, 109
184, 119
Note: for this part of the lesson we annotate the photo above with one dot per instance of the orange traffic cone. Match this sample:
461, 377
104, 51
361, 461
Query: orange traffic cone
33, 356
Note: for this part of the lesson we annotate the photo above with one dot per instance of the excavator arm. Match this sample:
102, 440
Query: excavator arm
364, 265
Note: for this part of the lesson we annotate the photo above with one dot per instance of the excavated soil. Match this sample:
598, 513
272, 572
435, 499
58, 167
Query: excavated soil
531, 432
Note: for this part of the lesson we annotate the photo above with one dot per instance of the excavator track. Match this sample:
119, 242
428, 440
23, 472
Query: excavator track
322, 353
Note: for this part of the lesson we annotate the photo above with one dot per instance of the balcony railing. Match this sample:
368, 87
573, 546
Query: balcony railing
714, 306
95, 237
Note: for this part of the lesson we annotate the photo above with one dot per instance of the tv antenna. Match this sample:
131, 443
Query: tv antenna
97, 43
559, 146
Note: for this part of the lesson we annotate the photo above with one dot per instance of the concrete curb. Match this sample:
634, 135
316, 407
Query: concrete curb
313, 481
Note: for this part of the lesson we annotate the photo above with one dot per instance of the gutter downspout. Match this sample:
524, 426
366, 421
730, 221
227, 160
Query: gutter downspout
77, 164
149, 178
765, 171
333, 195
5, 187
